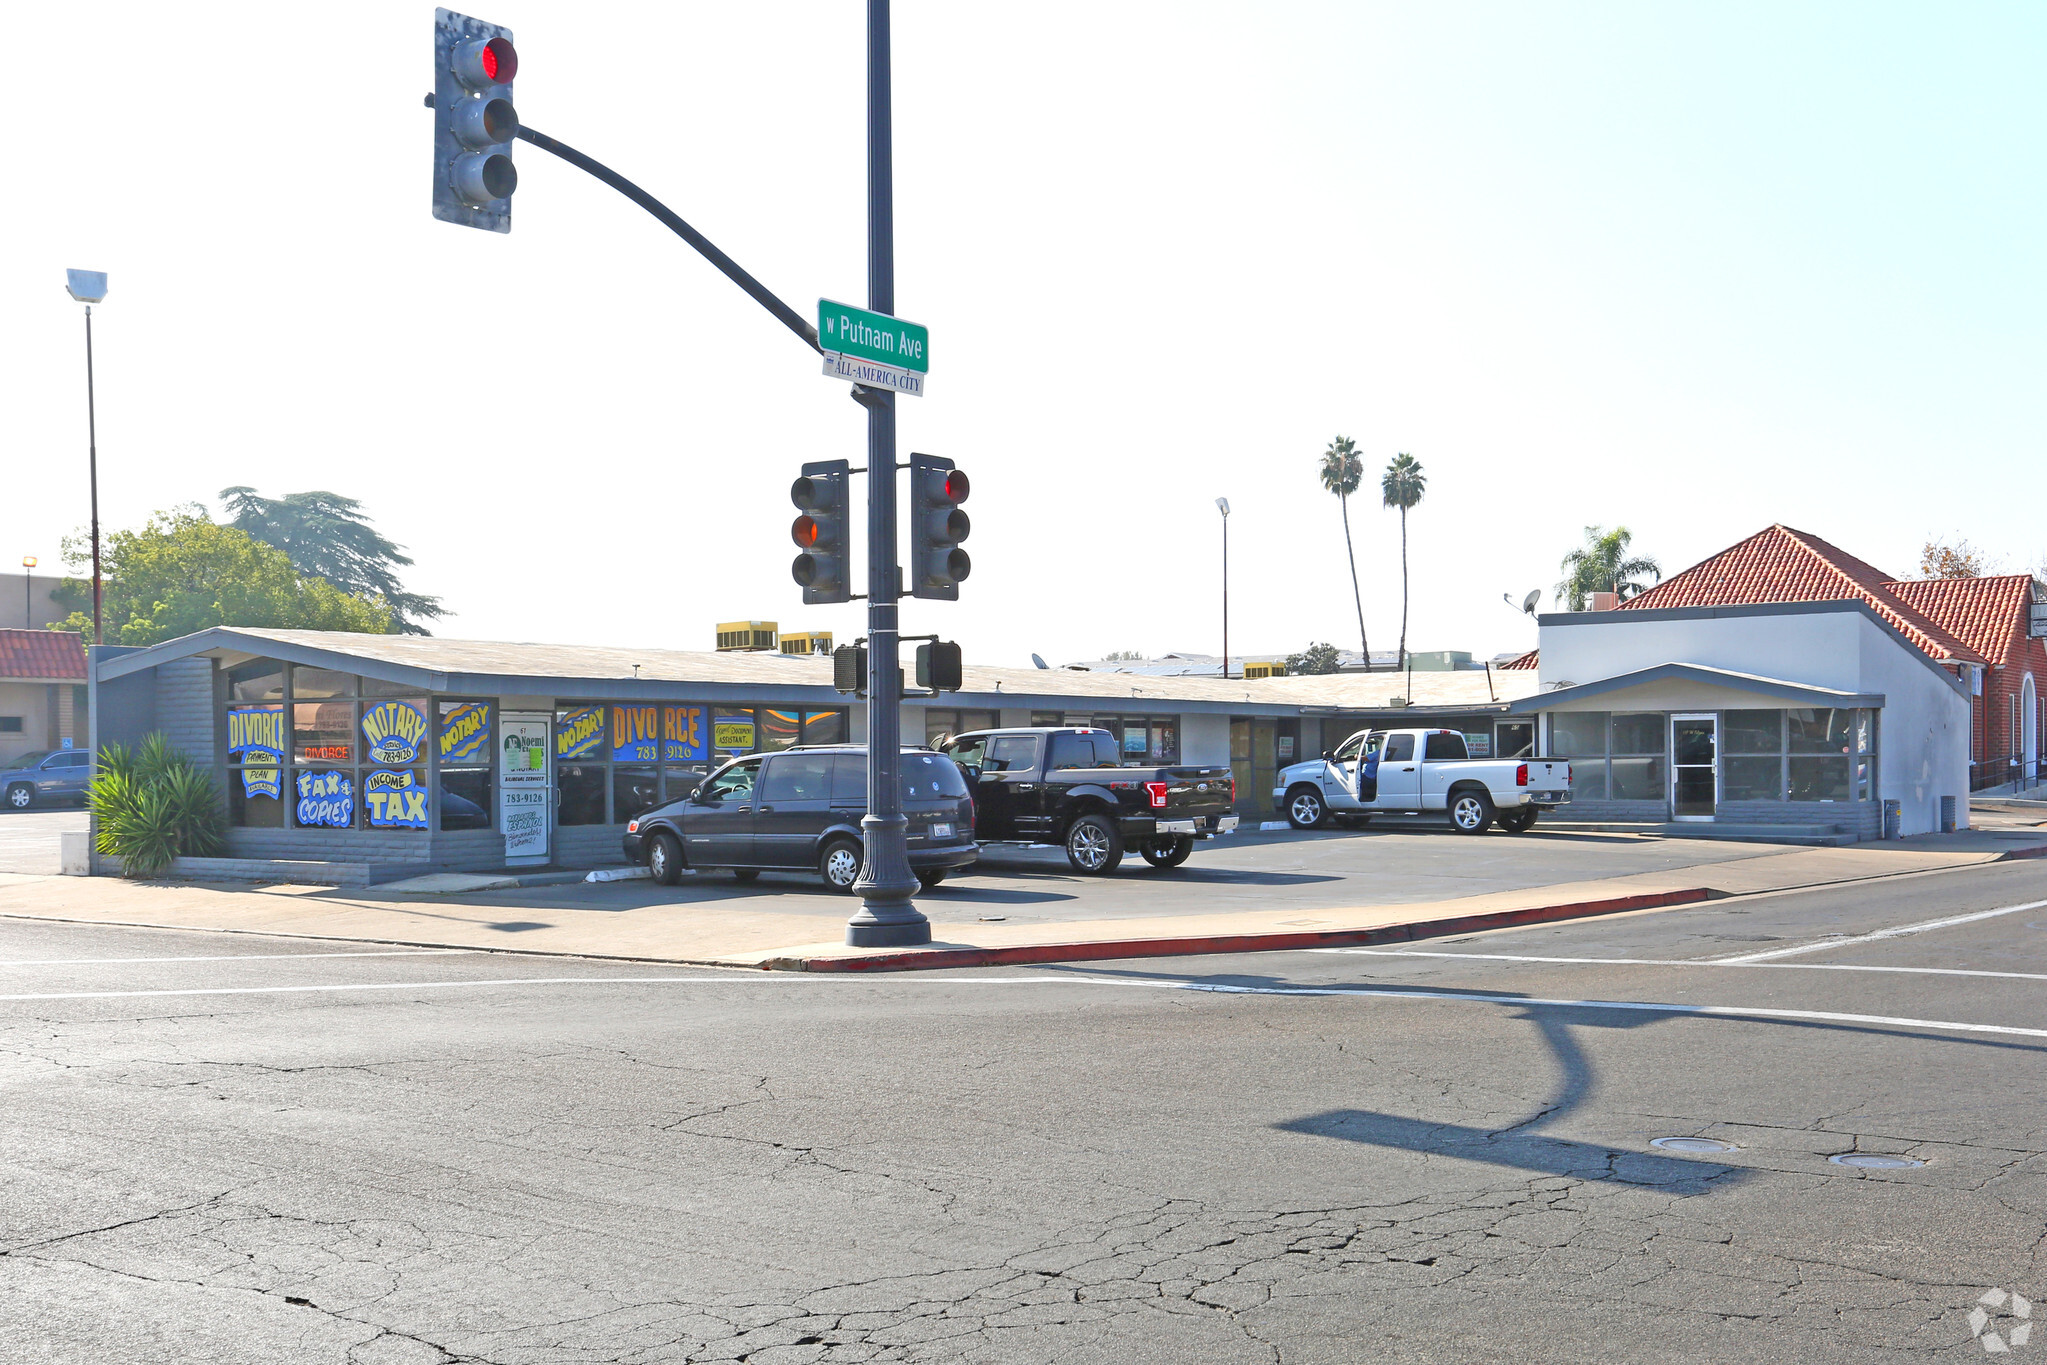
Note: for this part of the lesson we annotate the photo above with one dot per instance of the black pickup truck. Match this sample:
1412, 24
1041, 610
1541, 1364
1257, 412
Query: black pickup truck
1069, 787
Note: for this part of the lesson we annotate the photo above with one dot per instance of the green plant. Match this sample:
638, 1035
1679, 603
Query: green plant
1321, 658
1603, 564
154, 805
1341, 472
1402, 486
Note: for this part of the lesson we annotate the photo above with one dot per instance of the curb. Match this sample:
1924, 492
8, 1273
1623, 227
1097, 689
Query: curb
926, 959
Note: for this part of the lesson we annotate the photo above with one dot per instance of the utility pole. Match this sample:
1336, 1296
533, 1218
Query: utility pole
886, 917
89, 287
1223, 506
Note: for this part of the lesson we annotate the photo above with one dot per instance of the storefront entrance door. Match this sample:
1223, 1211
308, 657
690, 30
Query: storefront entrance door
1694, 767
525, 786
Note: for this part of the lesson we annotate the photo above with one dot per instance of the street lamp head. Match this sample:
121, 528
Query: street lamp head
87, 286
28, 561
1224, 505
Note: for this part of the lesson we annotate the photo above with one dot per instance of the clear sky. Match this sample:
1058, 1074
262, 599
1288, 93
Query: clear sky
1691, 268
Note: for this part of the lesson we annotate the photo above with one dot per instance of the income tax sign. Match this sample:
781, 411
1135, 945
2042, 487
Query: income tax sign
873, 348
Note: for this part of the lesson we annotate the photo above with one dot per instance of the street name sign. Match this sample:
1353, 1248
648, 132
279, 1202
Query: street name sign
873, 348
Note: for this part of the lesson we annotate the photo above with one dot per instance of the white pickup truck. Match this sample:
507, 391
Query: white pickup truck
1417, 772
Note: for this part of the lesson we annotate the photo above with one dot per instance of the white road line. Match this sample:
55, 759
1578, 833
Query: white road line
1203, 987
1688, 962
1925, 926
232, 957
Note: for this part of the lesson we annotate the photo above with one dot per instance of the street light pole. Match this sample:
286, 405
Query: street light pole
28, 613
886, 917
1224, 505
89, 287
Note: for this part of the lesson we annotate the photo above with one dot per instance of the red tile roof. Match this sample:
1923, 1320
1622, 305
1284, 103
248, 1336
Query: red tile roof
1989, 614
58, 655
1531, 659
1780, 564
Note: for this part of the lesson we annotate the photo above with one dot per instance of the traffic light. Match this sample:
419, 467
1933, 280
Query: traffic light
824, 568
937, 526
849, 670
938, 666
474, 122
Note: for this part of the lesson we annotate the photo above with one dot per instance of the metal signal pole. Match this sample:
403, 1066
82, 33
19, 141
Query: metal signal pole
886, 916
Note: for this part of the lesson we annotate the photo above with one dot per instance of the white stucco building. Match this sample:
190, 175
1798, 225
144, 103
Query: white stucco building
1793, 713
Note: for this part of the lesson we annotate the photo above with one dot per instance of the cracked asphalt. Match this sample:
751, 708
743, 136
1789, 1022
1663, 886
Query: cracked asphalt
229, 1148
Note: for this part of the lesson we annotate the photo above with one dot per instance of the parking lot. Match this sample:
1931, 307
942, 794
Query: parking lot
28, 839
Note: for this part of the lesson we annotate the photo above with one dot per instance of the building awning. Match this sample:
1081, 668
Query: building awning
1754, 684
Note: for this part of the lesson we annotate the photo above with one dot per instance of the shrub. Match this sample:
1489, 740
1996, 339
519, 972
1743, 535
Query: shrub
155, 805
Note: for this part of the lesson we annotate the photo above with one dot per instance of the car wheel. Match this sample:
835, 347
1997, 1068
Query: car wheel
744, 875
1305, 808
1517, 822
931, 876
1470, 811
664, 859
839, 865
1168, 850
20, 796
1094, 846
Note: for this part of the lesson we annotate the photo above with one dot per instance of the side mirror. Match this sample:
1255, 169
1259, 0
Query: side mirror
972, 770
1325, 755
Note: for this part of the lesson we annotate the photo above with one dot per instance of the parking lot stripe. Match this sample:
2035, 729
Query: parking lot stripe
1924, 926
1137, 983
1688, 962
233, 957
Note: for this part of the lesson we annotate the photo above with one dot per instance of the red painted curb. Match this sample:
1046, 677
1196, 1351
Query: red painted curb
925, 959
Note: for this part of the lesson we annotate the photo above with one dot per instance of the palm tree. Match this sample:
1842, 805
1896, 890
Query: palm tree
1403, 486
1603, 565
1342, 472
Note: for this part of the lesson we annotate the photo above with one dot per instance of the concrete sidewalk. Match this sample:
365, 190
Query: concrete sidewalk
748, 931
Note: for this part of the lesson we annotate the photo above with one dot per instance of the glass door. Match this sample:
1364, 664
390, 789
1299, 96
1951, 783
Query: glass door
1694, 766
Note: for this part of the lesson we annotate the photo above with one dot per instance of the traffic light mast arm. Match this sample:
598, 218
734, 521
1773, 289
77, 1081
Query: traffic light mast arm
784, 314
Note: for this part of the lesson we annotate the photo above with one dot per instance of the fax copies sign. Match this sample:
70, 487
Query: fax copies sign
874, 349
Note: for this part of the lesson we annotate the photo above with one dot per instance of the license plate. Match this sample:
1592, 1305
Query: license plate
941, 831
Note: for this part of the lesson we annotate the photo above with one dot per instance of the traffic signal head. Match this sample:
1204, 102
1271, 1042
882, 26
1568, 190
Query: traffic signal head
474, 122
938, 666
937, 526
823, 570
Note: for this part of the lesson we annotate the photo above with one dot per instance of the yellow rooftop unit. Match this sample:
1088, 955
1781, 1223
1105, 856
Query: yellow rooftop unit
807, 642
1265, 670
746, 635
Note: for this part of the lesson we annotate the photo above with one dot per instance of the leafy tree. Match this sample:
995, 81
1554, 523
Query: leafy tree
1402, 486
1314, 659
1603, 564
183, 572
327, 536
1342, 471
1938, 559
1123, 655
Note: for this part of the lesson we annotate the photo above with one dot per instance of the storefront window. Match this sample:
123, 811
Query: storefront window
1821, 730
1581, 737
824, 727
943, 724
733, 731
1752, 747
323, 732
581, 788
257, 680
313, 683
1819, 779
779, 729
634, 788
466, 743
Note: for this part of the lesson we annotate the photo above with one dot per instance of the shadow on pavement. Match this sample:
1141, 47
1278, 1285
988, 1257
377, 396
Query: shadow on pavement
1523, 1151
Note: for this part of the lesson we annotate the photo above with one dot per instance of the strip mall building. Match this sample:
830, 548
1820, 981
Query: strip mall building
395, 754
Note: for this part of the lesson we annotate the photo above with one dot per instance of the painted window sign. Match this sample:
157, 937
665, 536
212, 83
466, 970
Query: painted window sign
257, 734
579, 732
394, 731
326, 797
682, 734
733, 734
394, 800
632, 734
465, 735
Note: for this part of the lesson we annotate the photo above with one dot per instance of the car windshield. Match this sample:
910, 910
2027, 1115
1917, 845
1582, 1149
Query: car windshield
29, 760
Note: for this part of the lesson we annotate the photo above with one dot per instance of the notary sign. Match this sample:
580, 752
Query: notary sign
873, 348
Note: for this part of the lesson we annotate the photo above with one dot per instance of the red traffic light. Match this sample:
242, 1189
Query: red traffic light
956, 485
486, 62
804, 531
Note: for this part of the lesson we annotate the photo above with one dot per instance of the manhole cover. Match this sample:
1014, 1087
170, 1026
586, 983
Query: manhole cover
1691, 1144
1869, 1161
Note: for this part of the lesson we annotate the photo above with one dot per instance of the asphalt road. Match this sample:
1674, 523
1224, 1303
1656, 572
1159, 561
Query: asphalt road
218, 1148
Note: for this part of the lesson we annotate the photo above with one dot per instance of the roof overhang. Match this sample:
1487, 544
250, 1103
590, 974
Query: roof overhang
1755, 685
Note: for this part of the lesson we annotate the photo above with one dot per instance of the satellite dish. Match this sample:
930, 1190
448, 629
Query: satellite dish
1528, 602
1038, 662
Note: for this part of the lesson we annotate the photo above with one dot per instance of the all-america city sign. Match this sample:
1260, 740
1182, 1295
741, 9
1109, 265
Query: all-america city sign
873, 348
